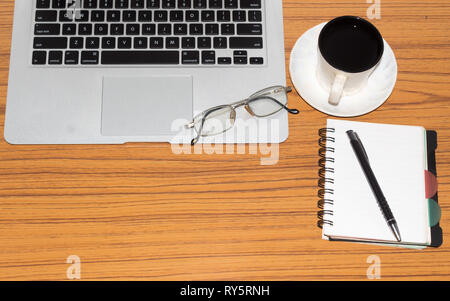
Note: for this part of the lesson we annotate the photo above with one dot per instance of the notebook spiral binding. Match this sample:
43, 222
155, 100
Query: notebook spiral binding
326, 136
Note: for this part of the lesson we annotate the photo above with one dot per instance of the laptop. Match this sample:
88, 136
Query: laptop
118, 71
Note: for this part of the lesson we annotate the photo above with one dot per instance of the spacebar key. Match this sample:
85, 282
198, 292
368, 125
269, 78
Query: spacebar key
140, 57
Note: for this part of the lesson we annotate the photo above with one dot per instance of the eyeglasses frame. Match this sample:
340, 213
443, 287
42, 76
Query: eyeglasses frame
245, 102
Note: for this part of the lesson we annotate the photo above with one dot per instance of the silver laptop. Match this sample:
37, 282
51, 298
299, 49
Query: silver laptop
117, 71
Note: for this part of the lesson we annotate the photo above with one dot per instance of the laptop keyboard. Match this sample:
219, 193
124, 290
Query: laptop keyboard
148, 32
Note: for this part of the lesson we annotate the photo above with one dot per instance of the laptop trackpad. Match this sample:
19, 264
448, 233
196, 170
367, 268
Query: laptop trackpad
145, 106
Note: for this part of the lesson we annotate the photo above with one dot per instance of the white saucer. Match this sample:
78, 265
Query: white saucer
304, 61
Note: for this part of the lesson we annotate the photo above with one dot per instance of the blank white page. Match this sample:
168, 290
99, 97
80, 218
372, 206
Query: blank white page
397, 155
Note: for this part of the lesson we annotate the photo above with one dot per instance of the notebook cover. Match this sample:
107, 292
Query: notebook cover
436, 230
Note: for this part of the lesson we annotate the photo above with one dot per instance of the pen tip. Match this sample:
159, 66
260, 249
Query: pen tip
396, 232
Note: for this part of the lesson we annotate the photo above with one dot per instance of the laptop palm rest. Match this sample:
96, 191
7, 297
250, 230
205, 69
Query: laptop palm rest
145, 106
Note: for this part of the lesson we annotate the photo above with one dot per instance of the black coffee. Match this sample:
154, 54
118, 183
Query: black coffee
351, 44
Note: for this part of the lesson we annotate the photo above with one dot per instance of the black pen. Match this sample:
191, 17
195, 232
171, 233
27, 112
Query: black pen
363, 159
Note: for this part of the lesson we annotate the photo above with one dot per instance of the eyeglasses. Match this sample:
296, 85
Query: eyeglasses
220, 119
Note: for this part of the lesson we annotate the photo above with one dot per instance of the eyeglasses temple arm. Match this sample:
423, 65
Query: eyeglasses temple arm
292, 111
195, 140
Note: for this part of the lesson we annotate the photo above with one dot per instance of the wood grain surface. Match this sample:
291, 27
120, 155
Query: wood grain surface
139, 212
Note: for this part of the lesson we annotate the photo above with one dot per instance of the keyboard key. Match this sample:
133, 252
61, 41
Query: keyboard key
84, 29
256, 60
90, 3
98, 16
223, 16
55, 57
137, 4
143, 57
113, 16
246, 42
92, 43
208, 16
249, 29
180, 29
148, 29
76, 43
188, 43
190, 57
47, 29
89, 57
140, 43
231, 3
200, 4
156, 43
192, 16
121, 4
42, 3
133, 29
212, 29
39, 58
74, 4
109, 43
101, 29
239, 16
160, 16
254, 16
116, 29
224, 60
145, 16
208, 57
71, 58
196, 29
250, 3
169, 3
220, 43
184, 4
153, 3
172, 43
46, 15
176, 16
215, 3
58, 4
240, 57
227, 29
164, 29
73, 12
106, 4
129, 16
124, 43
69, 29
50, 43
204, 42
66, 16
79, 16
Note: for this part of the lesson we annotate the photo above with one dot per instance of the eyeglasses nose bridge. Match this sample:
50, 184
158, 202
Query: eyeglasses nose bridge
233, 114
249, 110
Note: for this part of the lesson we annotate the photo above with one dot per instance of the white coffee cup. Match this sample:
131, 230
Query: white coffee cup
350, 49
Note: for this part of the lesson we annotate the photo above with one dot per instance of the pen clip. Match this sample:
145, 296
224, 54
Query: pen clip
362, 146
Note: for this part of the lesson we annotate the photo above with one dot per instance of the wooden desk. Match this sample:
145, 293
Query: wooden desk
139, 212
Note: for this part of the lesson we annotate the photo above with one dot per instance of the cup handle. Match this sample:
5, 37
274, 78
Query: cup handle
337, 89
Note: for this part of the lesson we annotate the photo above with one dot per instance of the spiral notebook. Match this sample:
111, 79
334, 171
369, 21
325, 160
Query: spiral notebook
403, 160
